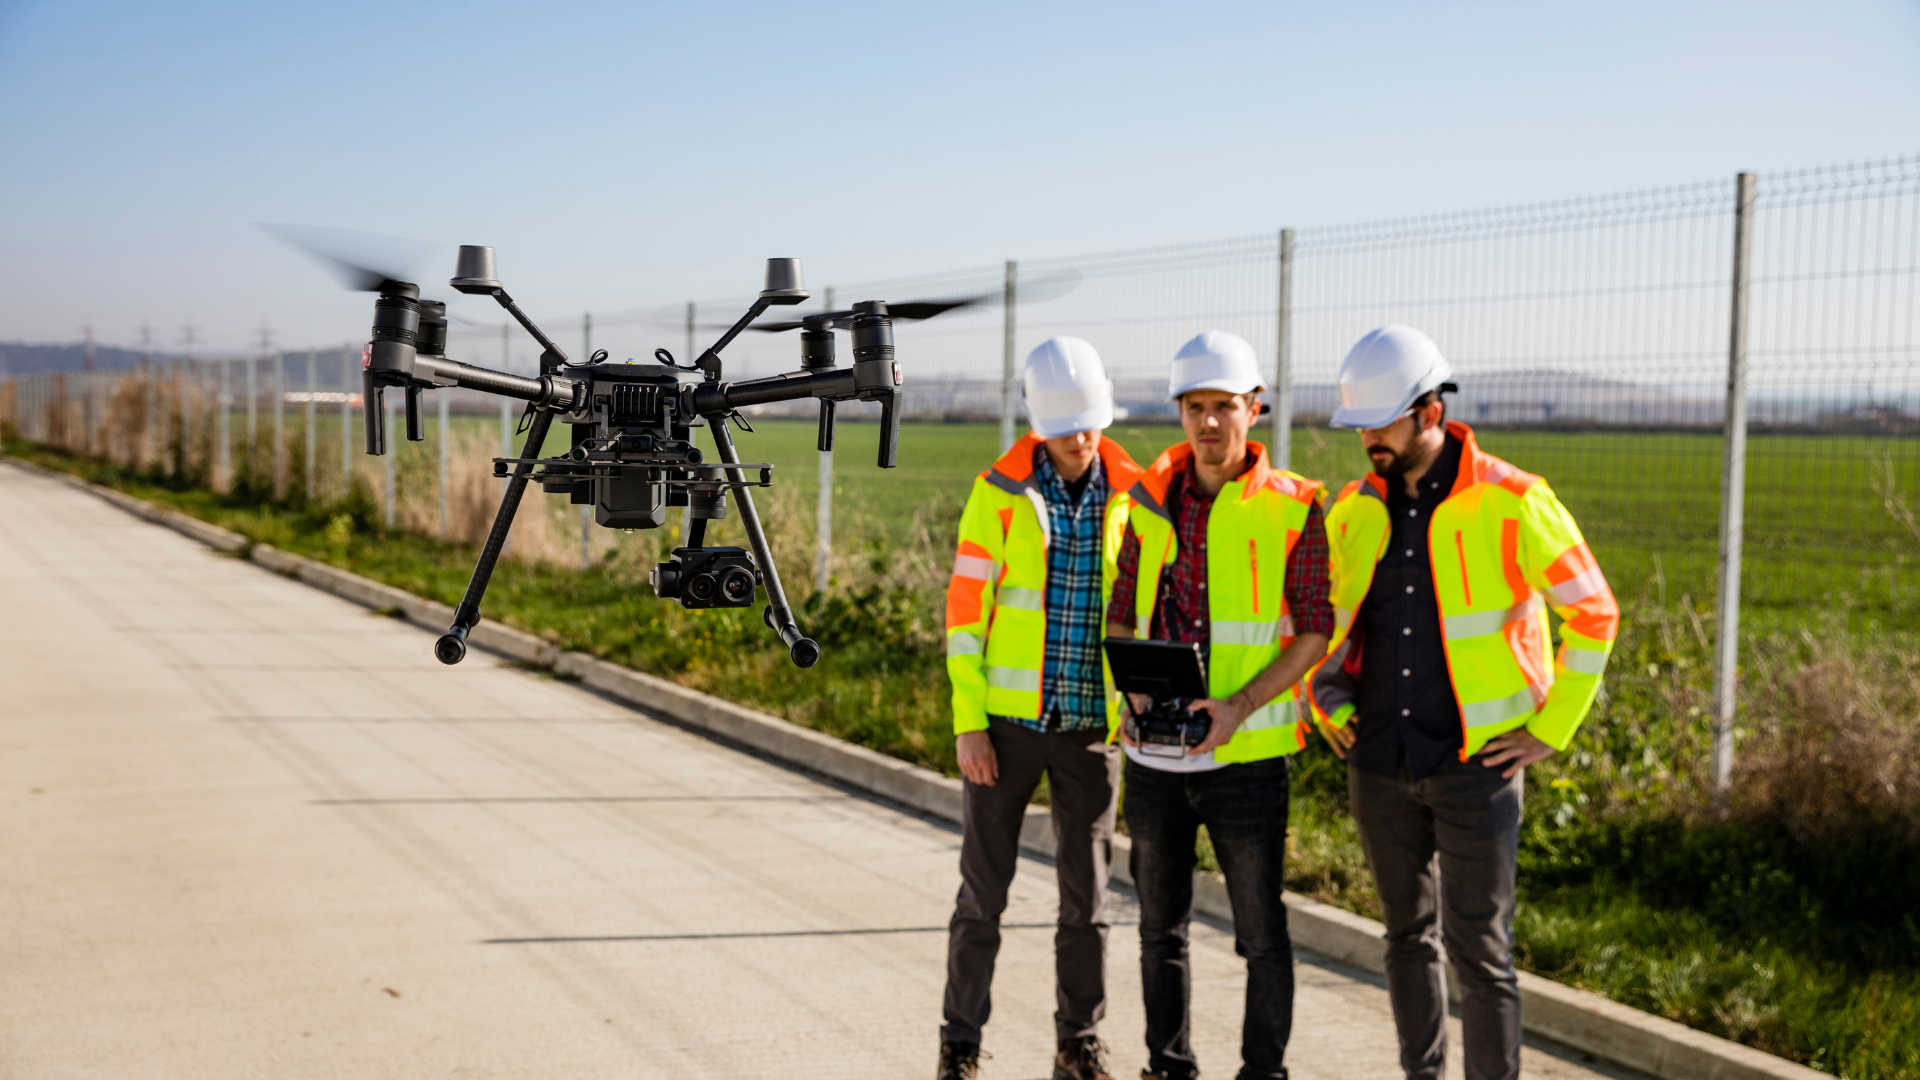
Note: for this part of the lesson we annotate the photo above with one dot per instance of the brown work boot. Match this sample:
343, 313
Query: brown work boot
959, 1061
1082, 1059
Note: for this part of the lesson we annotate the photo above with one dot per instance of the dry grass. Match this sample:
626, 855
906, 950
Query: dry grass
1834, 739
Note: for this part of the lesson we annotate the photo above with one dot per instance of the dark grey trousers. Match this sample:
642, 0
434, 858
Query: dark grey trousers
1083, 775
1443, 852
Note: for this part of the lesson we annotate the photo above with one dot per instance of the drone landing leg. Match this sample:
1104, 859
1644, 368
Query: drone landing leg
452, 646
803, 651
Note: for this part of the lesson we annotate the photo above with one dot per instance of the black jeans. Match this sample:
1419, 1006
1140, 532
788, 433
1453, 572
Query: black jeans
1443, 851
1082, 773
1244, 807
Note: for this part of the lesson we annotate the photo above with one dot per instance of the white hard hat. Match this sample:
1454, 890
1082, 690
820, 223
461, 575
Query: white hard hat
1067, 388
1383, 375
1216, 360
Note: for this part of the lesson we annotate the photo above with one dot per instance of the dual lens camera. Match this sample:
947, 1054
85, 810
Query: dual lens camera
707, 577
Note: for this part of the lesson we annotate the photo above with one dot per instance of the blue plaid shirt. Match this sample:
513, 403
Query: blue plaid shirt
1072, 695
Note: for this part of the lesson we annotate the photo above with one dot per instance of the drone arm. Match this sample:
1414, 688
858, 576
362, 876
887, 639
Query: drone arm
545, 391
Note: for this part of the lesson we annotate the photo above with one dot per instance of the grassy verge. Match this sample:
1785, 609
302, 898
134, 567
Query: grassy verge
1787, 924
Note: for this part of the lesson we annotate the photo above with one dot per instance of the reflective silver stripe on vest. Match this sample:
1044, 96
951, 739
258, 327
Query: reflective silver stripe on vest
1584, 661
1271, 715
1481, 623
1342, 618
1578, 588
974, 567
1482, 713
962, 644
1250, 632
1009, 678
1013, 596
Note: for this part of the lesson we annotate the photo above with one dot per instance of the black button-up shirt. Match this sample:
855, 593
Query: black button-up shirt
1406, 700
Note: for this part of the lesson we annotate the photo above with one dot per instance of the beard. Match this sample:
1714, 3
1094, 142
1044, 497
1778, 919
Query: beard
1389, 463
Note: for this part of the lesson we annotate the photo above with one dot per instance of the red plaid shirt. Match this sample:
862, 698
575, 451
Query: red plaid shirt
1180, 610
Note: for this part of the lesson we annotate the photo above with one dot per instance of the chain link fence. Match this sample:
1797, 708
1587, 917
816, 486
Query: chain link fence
1591, 338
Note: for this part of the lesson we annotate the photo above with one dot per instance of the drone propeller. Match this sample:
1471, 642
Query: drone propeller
362, 262
1038, 291
843, 320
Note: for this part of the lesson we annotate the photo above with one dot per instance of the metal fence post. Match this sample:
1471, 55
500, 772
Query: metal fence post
444, 437
346, 419
150, 411
189, 389
307, 438
506, 406
223, 399
686, 514
506, 413
586, 512
823, 515
1282, 454
1008, 394
253, 411
279, 425
1733, 492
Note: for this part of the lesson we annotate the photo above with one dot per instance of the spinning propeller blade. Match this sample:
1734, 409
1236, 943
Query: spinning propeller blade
360, 261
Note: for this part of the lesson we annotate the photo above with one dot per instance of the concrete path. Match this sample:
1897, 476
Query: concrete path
252, 830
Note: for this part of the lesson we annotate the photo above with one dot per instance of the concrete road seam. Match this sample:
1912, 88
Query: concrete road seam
1576, 1018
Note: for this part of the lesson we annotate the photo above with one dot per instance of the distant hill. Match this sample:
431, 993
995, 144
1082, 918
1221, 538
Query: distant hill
18, 359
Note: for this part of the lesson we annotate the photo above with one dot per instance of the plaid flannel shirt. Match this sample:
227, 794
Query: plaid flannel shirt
1180, 611
1072, 691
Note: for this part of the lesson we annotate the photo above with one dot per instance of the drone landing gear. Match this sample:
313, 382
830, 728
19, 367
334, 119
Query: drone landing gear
802, 650
452, 646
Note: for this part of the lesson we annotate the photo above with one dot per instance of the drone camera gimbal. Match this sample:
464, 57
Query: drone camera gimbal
632, 456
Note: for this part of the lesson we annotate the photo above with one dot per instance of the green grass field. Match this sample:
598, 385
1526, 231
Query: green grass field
1824, 532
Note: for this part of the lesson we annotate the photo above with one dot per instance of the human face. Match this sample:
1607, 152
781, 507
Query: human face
1407, 443
1217, 424
1072, 455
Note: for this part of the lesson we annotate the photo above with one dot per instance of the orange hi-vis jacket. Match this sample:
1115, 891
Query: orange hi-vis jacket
1498, 543
1256, 520
996, 600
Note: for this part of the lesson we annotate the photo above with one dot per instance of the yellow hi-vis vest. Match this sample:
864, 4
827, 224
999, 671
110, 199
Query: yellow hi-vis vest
996, 600
1498, 543
1251, 530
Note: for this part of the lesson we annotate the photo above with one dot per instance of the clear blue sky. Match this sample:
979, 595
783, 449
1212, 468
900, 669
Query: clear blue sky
628, 154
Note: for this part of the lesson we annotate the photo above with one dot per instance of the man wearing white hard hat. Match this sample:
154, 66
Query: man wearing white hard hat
1441, 686
1225, 550
1030, 698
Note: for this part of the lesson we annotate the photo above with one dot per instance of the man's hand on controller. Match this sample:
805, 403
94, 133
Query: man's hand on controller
1227, 716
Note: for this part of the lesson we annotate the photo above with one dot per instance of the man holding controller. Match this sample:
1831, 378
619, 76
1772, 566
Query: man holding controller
1029, 698
1224, 550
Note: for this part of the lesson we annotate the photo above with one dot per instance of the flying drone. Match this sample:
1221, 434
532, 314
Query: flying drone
632, 456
